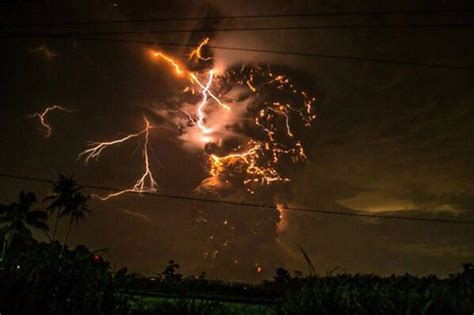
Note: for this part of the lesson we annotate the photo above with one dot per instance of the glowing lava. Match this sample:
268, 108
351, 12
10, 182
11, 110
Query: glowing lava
257, 157
264, 122
248, 160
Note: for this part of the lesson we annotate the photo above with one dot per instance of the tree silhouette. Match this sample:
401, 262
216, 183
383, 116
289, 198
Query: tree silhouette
170, 274
63, 192
76, 210
17, 217
282, 277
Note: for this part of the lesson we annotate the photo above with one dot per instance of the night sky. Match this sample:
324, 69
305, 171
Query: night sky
388, 139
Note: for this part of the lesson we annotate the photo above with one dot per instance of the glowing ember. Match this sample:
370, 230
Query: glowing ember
261, 113
283, 220
196, 53
251, 91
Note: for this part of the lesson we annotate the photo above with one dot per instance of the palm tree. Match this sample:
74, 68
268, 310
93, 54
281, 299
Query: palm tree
63, 192
77, 210
18, 216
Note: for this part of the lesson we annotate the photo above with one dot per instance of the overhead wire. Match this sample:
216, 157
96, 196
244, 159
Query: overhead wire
253, 50
251, 205
246, 16
257, 29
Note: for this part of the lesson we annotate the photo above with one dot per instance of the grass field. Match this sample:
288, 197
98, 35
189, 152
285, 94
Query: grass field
339, 294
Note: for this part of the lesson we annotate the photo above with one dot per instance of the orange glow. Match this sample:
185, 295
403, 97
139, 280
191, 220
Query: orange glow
251, 87
252, 160
173, 63
180, 71
249, 160
255, 157
283, 220
196, 53
257, 160
282, 110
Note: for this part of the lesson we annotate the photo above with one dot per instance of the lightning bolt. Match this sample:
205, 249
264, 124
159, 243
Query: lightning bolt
146, 183
203, 87
200, 122
97, 147
259, 159
42, 118
192, 77
138, 215
174, 64
196, 53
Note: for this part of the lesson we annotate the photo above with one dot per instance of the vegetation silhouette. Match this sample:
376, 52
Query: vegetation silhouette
47, 277
76, 211
17, 217
61, 199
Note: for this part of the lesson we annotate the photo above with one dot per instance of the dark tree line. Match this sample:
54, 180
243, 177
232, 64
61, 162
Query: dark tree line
18, 218
49, 278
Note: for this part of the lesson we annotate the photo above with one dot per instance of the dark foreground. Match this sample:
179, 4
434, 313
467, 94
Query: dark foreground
36, 279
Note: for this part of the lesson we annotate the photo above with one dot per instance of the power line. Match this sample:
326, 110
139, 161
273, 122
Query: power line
246, 204
256, 50
260, 29
249, 16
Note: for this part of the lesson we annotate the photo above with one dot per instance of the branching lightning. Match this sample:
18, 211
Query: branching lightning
97, 147
196, 53
258, 157
260, 160
146, 183
177, 68
276, 109
248, 124
138, 215
42, 118
192, 77
201, 106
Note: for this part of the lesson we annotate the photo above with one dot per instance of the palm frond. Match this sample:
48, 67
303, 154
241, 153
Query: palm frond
308, 260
